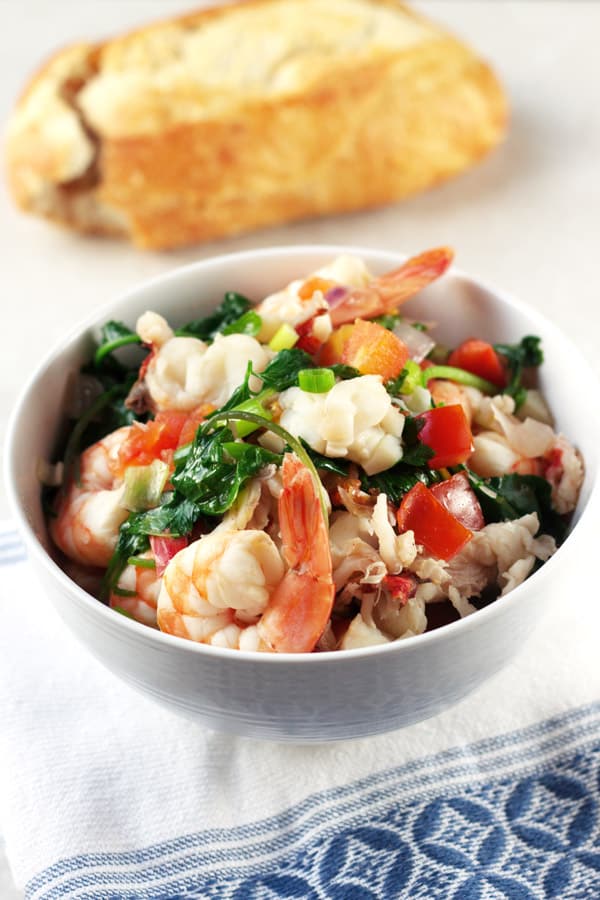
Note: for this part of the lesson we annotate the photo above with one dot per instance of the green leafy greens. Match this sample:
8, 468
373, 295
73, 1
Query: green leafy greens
511, 496
233, 307
520, 356
398, 480
282, 372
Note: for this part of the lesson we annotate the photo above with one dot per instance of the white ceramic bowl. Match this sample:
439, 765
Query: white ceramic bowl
316, 697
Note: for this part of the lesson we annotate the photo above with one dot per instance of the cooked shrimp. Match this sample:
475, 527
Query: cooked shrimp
215, 590
137, 592
389, 291
300, 607
450, 393
183, 372
90, 512
230, 588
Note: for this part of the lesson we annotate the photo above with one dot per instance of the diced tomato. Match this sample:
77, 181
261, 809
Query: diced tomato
332, 349
158, 438
447, 431
456, 495
193, 421
147, 442
374, 350
481, 359
307, 340
401, 587
164, 549
314, 284
434, 527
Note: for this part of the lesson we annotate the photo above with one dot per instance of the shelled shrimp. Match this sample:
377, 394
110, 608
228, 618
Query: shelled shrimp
90, 511
386, 293
137, 591
344, 290
183, 372
279, 610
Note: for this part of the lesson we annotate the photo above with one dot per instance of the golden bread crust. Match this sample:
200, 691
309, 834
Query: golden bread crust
148, 145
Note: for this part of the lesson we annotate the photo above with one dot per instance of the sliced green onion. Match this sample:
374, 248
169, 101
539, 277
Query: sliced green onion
144, 485
461, 376
254, 405
104, 349
236, 415
142, 562
316, 381
413, 377
284, 338
235, 449
249, 323
121, 592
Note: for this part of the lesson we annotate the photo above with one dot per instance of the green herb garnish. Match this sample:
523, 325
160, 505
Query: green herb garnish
231, 310
511, 496
520, 356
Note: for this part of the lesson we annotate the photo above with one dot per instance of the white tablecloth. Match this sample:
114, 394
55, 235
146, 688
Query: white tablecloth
525, 219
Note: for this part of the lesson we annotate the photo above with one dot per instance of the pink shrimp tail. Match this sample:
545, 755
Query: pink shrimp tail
386, 293
300, 605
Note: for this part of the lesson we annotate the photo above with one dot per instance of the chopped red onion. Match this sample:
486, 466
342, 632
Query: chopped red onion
336, 295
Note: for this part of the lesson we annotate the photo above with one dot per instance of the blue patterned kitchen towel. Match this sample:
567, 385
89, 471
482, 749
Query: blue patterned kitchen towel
104, 795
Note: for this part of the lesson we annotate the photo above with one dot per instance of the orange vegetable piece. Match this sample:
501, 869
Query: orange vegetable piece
314, 284
374, 350
332, 349
434, 527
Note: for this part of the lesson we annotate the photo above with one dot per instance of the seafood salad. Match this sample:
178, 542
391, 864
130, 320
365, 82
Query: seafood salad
311, 472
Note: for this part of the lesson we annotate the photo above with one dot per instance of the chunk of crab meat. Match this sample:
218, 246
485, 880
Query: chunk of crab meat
355, 419
360, 634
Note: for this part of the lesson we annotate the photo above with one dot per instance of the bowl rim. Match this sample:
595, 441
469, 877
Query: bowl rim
137, 630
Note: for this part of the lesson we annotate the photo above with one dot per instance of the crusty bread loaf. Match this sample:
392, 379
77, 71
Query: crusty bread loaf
247, 115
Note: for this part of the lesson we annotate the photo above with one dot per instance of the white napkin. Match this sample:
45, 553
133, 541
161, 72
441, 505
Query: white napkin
105, 795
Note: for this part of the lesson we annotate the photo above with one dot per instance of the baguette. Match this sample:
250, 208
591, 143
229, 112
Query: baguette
247, 115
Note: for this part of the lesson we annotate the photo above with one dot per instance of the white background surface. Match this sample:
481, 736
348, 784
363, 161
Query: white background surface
526, 219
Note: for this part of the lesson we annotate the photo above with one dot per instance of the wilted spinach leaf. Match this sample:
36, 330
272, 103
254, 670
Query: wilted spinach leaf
234, 306
282, 371
511, 496
520, 356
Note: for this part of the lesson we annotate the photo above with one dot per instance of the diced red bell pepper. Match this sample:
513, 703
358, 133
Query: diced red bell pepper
456, 495
308, 341
374, 350
479, 358
434, 527
447, 431
164, 549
